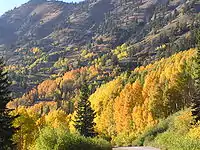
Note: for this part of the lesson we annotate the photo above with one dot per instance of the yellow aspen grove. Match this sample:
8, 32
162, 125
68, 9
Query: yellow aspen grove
130, 96
101, 99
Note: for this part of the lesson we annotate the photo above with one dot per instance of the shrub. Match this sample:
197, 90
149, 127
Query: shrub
180, 135
60, 139
181, 122
194, 133
164, 134
124, 139
150, 134
173, 141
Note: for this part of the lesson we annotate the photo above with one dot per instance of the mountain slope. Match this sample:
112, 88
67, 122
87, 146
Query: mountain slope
40, 34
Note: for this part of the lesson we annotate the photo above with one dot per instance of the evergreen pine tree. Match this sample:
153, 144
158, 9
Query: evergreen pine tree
84, 120
196, 96
6, 129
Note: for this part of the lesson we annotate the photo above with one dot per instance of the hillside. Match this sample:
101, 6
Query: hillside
100, 73
132, 109
40, 34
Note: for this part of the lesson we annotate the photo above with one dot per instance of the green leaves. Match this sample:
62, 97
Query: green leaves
60, 139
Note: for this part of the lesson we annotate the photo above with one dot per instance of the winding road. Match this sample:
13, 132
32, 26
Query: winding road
135, 148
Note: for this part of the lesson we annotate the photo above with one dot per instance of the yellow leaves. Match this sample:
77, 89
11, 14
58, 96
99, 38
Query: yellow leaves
11, 67
58, 80
53, 118
164, 46
183, 121
122, 55
19, 110
105, 122
102, 102
30, 123
170, 64
161, 47
28, 129
40, 122
142, 118
194, 133
118, 108
129, 97
150, 81
62, 62
136, 106
71, 118
138, 118
127, 109
35, 50
92, 71
57, 118
121, 51
89, 55
156, 98
104, 94
84, 52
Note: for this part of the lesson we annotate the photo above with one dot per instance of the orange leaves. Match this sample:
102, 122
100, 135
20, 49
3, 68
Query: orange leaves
157, 93
31, 96
42, 108
129, 97
71, 75
61, 88
118, 108
125, 108
46, 88
93, 71
142, 118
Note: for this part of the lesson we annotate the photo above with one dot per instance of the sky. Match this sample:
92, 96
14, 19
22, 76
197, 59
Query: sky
6, 5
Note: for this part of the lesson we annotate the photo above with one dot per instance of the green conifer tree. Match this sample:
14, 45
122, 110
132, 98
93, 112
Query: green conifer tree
196, 96
84, 120
6, 130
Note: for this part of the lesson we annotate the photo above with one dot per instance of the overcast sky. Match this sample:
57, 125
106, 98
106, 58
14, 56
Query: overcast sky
6, 5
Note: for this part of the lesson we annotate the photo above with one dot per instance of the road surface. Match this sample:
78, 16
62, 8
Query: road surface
135, 148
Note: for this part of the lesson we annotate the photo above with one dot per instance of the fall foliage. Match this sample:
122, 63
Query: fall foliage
125, 106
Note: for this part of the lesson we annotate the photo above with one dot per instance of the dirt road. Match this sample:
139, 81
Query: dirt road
135, 148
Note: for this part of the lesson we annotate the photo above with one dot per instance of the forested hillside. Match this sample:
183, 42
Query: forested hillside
44, 38
125, 107
122, 71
